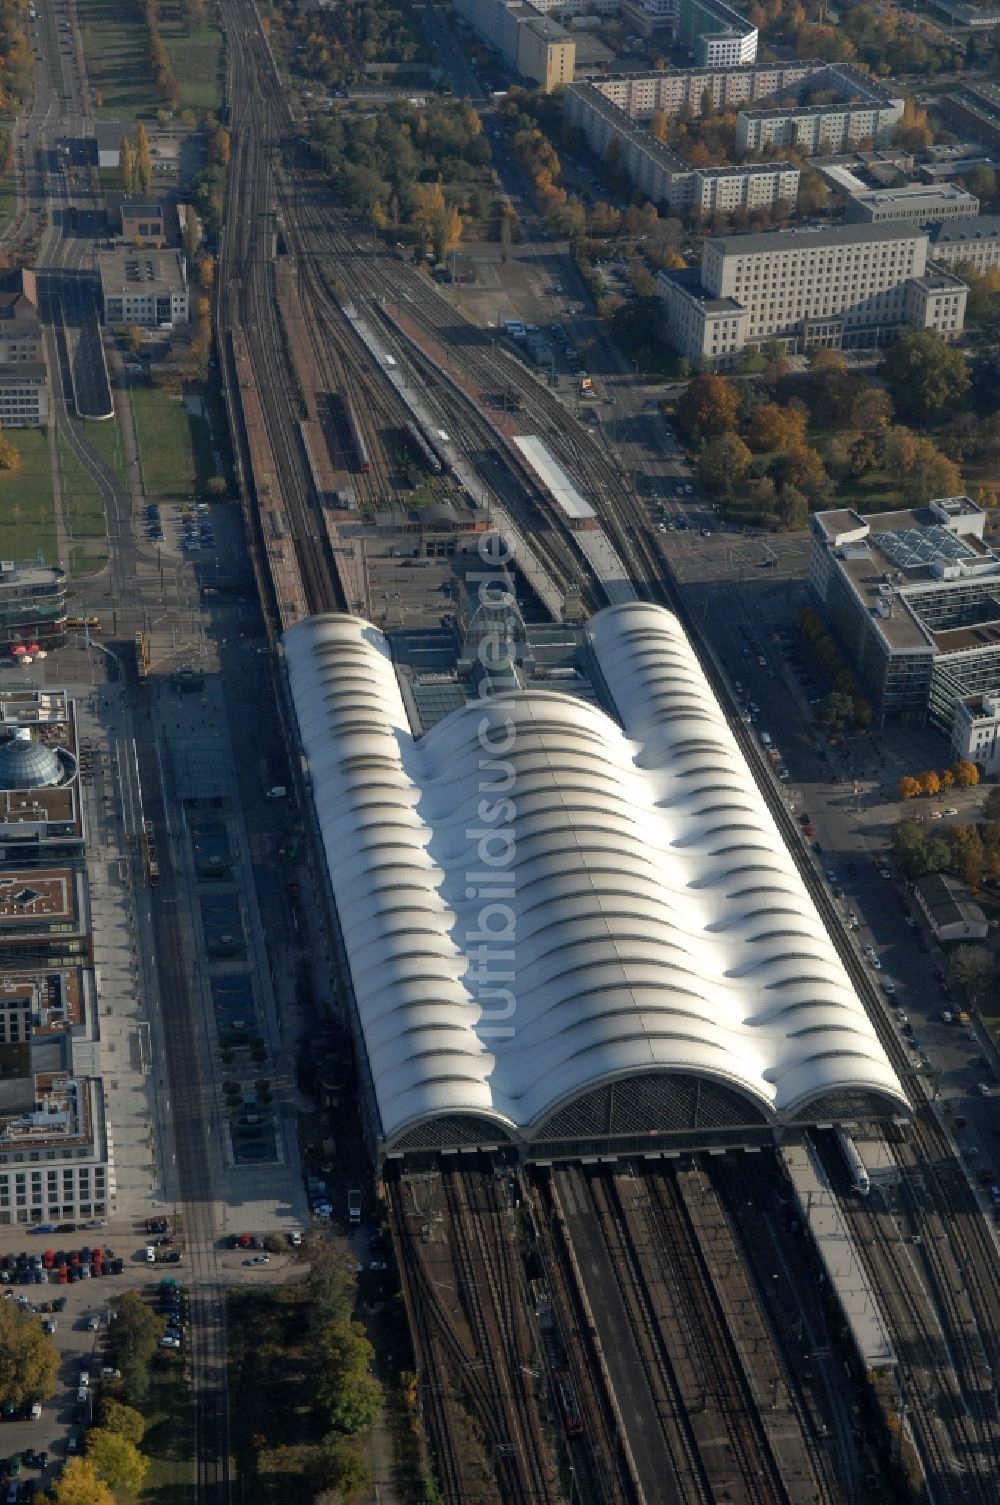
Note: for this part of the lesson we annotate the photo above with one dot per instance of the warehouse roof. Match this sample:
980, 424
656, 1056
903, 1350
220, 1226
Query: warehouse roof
538, 899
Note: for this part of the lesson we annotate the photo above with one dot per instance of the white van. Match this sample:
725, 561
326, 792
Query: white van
765, 739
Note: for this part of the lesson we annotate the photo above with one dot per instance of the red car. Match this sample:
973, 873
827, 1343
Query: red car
246, 1241
48, 1259
63, 1275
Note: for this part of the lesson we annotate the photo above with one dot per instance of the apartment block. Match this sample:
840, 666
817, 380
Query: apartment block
530, 42
715, 34
917, 202
664, 175
967, 242
824, 129
850, 286
24, 395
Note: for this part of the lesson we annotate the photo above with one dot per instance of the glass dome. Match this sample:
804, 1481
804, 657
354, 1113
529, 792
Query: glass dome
27, 764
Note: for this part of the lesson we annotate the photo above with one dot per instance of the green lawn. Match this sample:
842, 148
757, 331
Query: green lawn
105, 439
197, 61
165, 445
169, 1439
83, 514
116, 45
8, 199
27, 523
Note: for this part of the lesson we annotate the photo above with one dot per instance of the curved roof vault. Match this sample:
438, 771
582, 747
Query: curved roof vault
535, 898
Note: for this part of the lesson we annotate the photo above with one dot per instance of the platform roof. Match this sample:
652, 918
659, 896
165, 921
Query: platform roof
537, 898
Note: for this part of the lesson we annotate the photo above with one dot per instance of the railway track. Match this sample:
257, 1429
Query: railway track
498, 1330
710, 1345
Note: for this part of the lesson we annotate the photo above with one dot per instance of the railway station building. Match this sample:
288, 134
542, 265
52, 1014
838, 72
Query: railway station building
570, 924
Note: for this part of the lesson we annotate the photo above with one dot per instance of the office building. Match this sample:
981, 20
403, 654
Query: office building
914, 597
975, 731
647, 16
967, 242
32, 605
142, 221
715, 34
24, 395
665, 176
949, 909
144, 287
848, 286
918, 203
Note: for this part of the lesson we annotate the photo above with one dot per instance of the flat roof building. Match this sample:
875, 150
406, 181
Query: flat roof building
918, 202
146, 287
950, 909
848, 286
714, 33
975, 731
914, 596
664, 175
32, 605
620, 956
972, 242
530, 42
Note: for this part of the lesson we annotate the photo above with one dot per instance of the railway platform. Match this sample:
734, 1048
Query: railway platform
844, 1270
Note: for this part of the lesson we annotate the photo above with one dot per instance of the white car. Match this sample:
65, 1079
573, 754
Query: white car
875, 962
170, 1342
984, 1088
951, 810
36, 1411
150, 1254
81, 1395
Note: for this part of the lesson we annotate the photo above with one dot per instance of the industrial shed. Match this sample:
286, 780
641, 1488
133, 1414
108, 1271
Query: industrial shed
572, 930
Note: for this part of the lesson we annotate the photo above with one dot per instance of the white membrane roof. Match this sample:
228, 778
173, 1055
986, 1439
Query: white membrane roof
535, 899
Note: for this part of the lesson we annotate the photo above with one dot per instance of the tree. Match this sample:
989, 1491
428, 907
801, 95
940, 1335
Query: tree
803, 468
133, 1336
813, 192
929, 782
133, 339
191, 238
342, 1469
909, 848
79, 1484
710, 406
973, 969
123, 1421
791, 508
143, 160
968, 854
775, 427
871, 410
991, 805
982, 181
206, 270
930, 474
350, 1395
909, 787
913, 134
217, 486
722, 464
10, 455
966, 774
126, 165
835, 711
927, 377
947, 778
117, 1460
29, 1361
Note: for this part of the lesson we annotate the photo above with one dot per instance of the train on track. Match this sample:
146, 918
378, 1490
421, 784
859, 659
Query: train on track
569, 1405
853, 1161
347, 420
428, 449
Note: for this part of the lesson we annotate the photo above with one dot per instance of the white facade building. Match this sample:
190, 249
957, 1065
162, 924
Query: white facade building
918, 202
850, 285
662, 935
971, 242
975, 731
